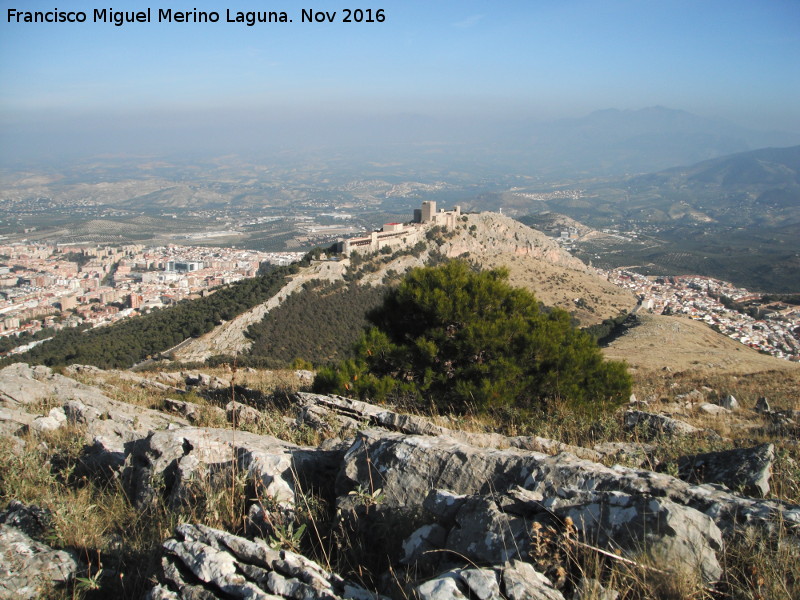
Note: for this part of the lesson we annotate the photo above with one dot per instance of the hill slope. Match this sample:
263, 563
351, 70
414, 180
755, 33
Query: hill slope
683, 344
490, 240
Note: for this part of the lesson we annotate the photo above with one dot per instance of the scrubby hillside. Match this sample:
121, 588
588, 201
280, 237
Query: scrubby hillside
488, 240
680, 344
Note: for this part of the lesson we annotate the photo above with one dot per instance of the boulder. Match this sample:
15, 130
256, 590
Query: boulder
30, 569
195, 379
485, 534
407, 468
652, 424
522, 581
762, 406
241, 414
519, 581
48, 423
174, 462
305, 375
673, 535
201, 562
77, 413
712, 409
729, 402
692, 397
746, 469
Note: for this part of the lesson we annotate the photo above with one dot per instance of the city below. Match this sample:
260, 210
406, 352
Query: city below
50, 287
45, 286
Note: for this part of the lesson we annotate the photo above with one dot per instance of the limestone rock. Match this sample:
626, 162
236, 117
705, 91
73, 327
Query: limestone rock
188, 410
631, 454
484, 534
30, 568
31, 520
482, 583
523, 582
676, 535
519, 580
408, 466
443, 587
762, 405
423, 540
217, 564
109, 425
712, 409
319, 411
241, 414
77, 413
729, 402
181, 459
48, 423
653, 424
748, 469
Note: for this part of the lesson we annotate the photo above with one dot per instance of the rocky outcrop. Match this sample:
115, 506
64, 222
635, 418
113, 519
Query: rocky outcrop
457, 514
746, 469
109, 426
30, 569
407, 468
322, 411
201, 562
650, 425
500, 234
179, 464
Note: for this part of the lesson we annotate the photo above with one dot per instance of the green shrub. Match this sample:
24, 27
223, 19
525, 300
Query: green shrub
457, 339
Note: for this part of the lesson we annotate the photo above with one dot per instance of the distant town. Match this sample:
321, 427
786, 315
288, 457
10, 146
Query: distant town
55, 286
774, 330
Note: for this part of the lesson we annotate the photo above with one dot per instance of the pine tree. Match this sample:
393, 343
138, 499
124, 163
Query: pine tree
458, 339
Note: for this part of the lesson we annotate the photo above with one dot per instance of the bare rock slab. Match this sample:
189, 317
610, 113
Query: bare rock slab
216, 564
746, 469
29, 568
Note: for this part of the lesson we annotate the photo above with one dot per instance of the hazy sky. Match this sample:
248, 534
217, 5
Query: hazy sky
541, 59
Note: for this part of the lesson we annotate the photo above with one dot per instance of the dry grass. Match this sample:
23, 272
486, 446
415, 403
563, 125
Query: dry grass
681, 344
96, 519
555, 285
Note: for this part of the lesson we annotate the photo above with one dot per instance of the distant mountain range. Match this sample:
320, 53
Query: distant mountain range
735, 217
615, 142
760, 187
604, 143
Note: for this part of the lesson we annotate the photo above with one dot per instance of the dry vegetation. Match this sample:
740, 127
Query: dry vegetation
680, 343
587, 297
121, 545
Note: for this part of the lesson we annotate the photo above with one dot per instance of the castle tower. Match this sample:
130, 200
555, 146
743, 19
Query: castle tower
428, 211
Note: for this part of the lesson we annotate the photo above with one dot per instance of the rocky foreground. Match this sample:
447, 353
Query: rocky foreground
452, 514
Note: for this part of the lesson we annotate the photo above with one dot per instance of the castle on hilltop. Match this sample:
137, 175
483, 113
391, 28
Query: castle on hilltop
402, 234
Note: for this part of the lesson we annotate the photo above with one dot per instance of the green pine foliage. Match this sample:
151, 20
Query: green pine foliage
319, 323
455, 339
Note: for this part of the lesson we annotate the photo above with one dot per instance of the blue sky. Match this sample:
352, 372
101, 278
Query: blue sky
537, 59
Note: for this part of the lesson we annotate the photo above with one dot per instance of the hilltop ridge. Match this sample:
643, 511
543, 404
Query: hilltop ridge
490, 240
